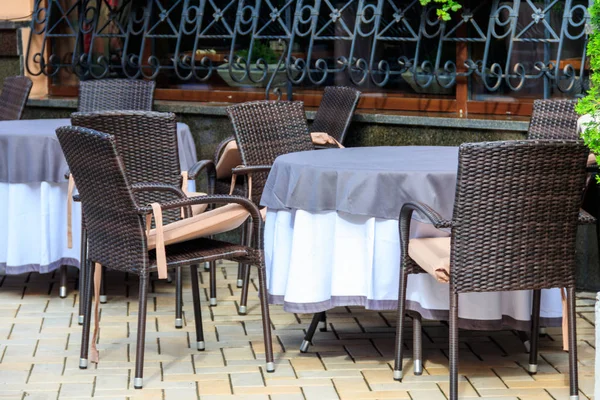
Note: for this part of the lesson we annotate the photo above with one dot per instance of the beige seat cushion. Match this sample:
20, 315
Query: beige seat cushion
197, 208
230, 158
213, 222
433, 255
591, 159
323, 138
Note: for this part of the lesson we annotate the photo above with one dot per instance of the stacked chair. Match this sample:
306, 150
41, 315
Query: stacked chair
122, 237
147, 141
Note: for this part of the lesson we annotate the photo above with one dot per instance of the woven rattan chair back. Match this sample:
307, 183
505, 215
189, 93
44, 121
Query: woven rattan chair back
553, 119
335, 111
116, 94
264, 130
13, 98
147, 143
514, 222
116, 237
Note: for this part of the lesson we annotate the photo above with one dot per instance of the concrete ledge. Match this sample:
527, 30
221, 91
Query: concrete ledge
480, 122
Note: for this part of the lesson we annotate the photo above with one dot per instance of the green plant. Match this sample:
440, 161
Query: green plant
259, 51
444, 7
590, 104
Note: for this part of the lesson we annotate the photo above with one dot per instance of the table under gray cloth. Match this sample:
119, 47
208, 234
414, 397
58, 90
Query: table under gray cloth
30, 152
353, 180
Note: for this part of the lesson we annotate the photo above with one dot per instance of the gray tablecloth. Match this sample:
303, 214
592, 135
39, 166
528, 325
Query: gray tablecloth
30, 152
372, 181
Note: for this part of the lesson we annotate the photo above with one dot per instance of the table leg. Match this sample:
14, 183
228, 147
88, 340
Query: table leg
311, 331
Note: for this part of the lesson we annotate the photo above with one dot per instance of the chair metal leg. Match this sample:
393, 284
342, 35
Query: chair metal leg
453, 345
197, 311
573, 378
62, 291
535, 332
417, 344
178, 299
245, 288
241, 267
103, 298
138, 381
213, 283
83, 270
87, 316
246, 271
311, 331
400, 325
266, 318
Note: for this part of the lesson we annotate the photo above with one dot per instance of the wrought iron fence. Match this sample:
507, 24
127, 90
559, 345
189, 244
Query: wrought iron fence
375, 42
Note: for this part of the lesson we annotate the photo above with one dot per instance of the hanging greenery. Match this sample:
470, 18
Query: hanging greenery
444, 7
590, 104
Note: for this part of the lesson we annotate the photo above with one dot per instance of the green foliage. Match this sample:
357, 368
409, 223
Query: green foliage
591, 103
444, 8
259, 50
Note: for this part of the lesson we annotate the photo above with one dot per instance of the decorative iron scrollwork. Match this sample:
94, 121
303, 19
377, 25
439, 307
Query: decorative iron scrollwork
370, 42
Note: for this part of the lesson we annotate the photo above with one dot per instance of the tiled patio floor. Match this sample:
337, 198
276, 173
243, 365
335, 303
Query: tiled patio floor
40, 338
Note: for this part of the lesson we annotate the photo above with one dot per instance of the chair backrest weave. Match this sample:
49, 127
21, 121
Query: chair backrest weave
115, 230
116, 94
335, 111
553, 119
13, 98
147, 143
516, 215
264, 130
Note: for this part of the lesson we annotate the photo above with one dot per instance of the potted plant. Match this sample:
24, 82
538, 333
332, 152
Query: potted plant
417, 77
589, 107
238, 77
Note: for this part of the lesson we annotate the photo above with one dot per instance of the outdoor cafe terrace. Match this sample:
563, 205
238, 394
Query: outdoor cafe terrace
299, 199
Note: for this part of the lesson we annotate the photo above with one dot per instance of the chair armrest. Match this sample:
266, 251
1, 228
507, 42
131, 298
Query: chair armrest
586, 218
257, 221
158, 187
211, 173
243, 170
209, 165
433, 216
67, 174
592, 168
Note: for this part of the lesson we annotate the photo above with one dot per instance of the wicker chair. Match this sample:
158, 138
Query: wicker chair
335, 111
493, 212
116, 94
553, 119
263, 131
147, 141
13, 98
117, 232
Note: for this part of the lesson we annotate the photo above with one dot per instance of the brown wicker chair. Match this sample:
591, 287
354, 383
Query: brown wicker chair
335, 111
147, 141
500, 239
116, 94
553, 119
13, 98
263, 131
117, 232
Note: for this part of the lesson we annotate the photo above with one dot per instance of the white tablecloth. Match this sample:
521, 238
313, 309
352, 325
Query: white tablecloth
324, 258
33, 215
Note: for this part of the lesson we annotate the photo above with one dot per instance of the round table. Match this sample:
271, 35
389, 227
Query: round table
331, 235
33, 196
